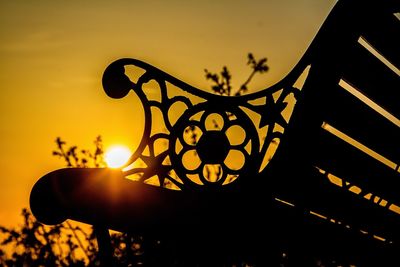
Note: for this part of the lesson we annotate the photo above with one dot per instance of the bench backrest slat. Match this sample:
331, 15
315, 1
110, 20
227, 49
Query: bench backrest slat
349, 114
338, 157
383, 33
339, 56
374, 79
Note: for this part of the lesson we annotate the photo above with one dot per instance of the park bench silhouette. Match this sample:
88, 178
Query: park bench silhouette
330, 189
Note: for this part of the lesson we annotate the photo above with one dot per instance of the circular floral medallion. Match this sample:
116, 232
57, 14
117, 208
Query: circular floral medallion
206, 147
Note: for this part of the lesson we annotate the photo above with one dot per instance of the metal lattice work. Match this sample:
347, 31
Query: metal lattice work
197, 153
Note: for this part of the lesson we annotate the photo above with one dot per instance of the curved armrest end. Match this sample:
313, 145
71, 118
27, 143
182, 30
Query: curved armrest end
44, 201
71, 192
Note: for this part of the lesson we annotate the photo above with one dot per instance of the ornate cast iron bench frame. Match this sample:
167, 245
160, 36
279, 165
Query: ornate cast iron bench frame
286, 199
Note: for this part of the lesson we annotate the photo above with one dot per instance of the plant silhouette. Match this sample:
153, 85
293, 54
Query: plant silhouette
221, 83
66, 244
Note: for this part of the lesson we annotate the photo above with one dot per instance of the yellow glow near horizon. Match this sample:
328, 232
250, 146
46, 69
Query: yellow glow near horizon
117, 156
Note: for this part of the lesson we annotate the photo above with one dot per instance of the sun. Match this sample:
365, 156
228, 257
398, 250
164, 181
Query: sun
116, 156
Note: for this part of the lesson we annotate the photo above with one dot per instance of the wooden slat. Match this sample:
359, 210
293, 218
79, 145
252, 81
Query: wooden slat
361, 214
347, 162
369, 75
344, 111
326, 238
382, 31
317, 194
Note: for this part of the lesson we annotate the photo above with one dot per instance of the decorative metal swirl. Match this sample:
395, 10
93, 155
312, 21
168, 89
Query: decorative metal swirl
208, 146
213, 145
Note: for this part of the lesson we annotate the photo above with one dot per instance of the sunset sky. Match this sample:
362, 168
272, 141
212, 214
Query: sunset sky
53, 54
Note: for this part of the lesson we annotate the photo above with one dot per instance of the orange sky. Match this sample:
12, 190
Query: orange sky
53, 54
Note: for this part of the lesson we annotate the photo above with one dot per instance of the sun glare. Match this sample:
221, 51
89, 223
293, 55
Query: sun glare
117, 156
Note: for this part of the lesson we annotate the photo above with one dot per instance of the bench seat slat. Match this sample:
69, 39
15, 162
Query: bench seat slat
361, 213
370, 76
336, 156
362, 123
315, 193
324, 237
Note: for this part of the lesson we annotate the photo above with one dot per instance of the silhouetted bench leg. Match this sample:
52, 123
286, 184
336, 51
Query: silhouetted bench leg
104, 243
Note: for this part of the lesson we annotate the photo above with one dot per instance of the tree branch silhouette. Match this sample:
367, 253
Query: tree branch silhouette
221, 83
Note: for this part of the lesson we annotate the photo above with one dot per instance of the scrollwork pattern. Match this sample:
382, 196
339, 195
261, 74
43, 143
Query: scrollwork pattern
211, 146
